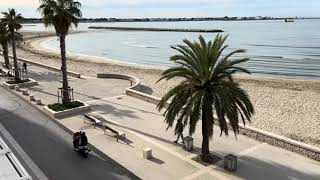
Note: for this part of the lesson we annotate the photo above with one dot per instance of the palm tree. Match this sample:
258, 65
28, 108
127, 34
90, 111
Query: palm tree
62, 14
4, 40
13, 22
207, 90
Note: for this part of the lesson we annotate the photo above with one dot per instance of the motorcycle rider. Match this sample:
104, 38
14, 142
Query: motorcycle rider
80, 142
76, 139
83, 139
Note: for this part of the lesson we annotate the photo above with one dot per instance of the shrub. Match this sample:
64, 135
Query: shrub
18, 82
60, 107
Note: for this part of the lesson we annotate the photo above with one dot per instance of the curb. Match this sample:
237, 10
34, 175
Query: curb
70, 73
97, 151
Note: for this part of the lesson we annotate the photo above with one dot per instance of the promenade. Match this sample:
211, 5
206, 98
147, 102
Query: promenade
144, 127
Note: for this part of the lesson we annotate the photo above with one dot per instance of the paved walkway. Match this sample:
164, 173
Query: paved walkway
85, 89
144, 127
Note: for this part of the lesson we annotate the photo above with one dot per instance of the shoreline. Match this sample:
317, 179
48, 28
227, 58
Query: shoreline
36, 47
287, 107
156, 29
33, 45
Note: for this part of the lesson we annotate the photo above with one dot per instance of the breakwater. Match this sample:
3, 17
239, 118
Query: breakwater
156, 29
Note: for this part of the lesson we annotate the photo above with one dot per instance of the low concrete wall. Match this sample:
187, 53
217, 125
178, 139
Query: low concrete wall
135, 82
142, 96
280, 141
70, 73
68, 112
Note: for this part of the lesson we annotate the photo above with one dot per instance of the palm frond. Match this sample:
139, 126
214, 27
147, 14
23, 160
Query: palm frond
208, 89
62, 14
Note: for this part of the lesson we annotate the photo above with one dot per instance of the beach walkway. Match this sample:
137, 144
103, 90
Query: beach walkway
144, 127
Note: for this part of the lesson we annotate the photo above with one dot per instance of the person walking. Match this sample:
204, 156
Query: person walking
180, 132
24, 67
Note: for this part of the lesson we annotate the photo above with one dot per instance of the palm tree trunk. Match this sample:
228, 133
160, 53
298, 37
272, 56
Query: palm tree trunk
15, 62
5, 54
205, 130
65, 91
205, 140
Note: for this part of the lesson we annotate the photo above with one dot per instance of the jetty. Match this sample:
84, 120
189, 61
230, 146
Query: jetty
156, 29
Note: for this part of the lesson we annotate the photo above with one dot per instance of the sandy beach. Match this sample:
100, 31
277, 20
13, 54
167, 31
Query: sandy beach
289, 108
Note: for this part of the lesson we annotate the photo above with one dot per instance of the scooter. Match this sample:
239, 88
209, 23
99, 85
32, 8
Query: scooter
82, 149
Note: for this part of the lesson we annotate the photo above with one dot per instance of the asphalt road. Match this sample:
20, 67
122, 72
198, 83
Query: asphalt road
48, 146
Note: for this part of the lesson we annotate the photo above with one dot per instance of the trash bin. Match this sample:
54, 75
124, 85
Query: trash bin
188, 143
230, 162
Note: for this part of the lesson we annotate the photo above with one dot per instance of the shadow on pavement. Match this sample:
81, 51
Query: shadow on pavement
249, 167
51, 148
253, 168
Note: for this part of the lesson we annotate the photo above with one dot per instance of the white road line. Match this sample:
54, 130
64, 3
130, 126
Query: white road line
196, 174
250, 150
93, 101
28, 161
190, 156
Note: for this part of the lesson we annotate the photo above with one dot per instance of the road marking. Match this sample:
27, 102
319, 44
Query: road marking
113, 97
28, 161
208, 169
250, 150
196, 174
190, 156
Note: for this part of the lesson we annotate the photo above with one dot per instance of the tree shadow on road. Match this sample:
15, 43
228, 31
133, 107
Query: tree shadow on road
252, 168
44, 76
51, 148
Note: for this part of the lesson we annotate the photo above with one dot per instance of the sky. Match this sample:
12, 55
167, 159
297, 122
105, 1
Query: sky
179, 8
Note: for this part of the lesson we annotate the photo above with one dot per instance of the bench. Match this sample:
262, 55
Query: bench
3, 72
6, 73
92, 120
118, 134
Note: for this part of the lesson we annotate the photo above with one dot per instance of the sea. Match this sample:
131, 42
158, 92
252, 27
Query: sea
275, 48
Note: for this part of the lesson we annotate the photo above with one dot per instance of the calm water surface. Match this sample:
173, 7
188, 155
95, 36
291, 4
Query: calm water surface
276, 48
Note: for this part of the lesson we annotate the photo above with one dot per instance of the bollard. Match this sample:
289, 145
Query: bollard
147, 153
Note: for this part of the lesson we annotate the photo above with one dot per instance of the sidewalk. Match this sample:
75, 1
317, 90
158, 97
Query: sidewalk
144, 127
